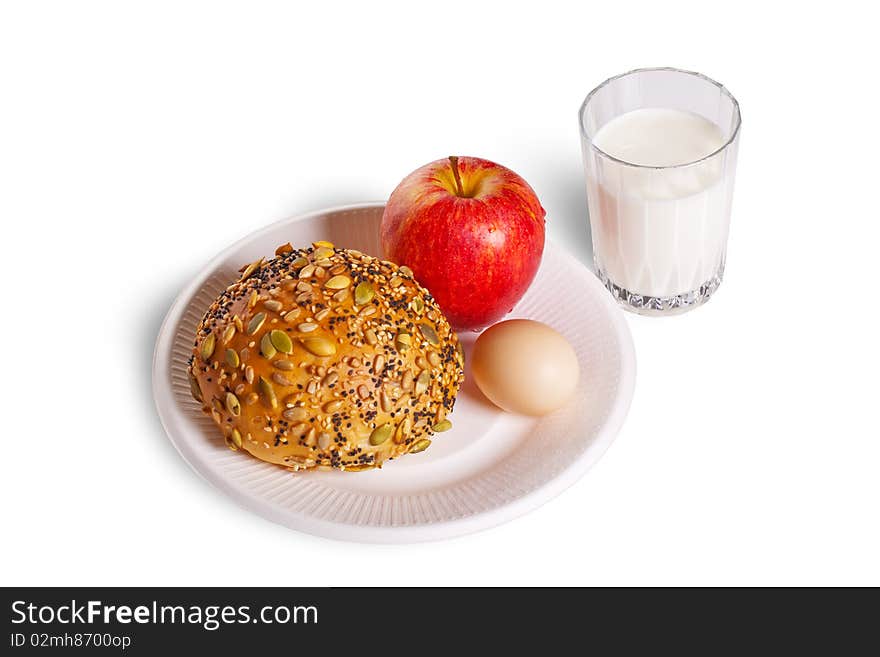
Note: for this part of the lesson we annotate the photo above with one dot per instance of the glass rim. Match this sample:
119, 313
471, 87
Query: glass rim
706, 78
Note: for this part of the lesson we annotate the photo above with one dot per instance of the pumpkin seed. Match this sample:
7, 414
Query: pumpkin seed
232, 404
381, 434
208, 346
420, 446
194, 386
403, 341
296, 414
320, 272
228, 334
284, 364
299, 263
307, 271
323, 440
266, 347
443, 425
363, 293
338, 283
430, 334
406, 271
323, 252
281, 341
232, 358
306, 327
459, 354
291, 316
324, 243
251, 268
253, 300
333, 406
319, 346
272, 304
395, 281
418, 305
284, 248
422, 382
267, 392
233, 440
237, 321
256, 323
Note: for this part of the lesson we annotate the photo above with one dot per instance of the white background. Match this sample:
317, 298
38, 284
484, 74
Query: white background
137, 140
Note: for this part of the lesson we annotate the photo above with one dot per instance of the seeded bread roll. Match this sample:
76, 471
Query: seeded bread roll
326, 357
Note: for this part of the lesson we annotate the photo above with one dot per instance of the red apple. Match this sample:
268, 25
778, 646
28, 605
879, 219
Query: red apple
472, 232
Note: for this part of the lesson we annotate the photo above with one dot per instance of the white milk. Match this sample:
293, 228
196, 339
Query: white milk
660, 232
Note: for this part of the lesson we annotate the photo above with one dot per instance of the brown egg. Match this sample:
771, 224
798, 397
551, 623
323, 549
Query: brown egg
524, 366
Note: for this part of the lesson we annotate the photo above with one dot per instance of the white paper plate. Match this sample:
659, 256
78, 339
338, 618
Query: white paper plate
491, 467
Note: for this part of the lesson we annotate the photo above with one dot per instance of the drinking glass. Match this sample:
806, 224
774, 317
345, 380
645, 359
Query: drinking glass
660, 232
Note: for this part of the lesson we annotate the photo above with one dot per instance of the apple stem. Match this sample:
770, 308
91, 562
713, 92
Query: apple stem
454, 162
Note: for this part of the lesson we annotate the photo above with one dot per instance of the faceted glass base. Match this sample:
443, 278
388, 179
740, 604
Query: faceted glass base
655, 306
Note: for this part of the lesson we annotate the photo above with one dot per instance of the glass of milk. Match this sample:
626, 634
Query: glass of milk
659, 149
